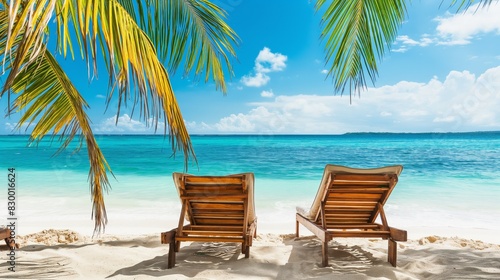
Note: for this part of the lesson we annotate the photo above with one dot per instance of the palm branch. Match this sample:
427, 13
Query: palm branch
357, 33
111, 29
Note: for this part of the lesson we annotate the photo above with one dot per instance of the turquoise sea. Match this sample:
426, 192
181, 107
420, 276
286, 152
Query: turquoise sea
450, 184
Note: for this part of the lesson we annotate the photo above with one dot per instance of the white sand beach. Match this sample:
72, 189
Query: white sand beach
65, 254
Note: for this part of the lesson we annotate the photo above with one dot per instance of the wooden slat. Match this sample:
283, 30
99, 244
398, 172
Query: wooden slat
347, 215
205, 193
362, 234
214, 228
213, 233
361, 226
361, 177
359, 185
331, 222
210, 239
353, 203
333, 210
360, 189
213, 188
207, 180
214, 197
218, 215
206, 221
353, 196
217, 205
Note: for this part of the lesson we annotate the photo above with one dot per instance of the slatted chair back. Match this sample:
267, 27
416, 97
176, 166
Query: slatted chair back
355, 198
218, 209
217, 201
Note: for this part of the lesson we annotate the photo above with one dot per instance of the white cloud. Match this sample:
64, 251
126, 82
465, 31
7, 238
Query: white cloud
260, 79
267, 93
266, 62
456, 28
258, 120
324, 71
126, 125
24, 127
100, 96
460, 102
407, 40
460, 28
404, 42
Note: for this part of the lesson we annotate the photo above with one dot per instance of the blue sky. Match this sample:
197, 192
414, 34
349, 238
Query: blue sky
441, 75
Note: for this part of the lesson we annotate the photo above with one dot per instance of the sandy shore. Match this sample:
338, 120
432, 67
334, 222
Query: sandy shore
65, 254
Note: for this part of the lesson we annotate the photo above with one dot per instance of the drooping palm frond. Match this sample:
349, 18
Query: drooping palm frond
25, 24
46, 98
46, 95
357, 33
131, 60
192, 34
465, 4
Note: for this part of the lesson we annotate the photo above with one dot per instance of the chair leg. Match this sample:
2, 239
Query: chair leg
171, 254
324, 252
296, 228
247, 252
244, 248
392, 252
169, 238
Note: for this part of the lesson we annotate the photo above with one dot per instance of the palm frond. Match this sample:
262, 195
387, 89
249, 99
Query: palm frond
194, 34
131, 59
47, 97
465, 4
26, 22
356, 35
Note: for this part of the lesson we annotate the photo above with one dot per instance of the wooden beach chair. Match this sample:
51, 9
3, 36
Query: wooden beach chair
218, 208
347, 204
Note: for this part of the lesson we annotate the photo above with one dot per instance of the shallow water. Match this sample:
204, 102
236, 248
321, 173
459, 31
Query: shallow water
450, 181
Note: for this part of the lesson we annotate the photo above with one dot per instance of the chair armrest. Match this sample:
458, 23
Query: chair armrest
398, 234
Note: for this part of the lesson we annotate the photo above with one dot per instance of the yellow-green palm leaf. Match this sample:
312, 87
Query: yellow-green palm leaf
47, 97
116, 30
357, 33
191, 33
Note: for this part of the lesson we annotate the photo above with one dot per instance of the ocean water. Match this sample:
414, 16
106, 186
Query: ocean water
450, 184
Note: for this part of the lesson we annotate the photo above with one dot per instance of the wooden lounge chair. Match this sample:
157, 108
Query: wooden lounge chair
347, 204
218, 208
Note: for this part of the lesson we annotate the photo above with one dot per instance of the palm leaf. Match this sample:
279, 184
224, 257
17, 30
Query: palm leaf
25, 23
191, 33
357, 33
465, 4
47, 97
131, 59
